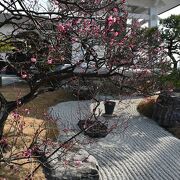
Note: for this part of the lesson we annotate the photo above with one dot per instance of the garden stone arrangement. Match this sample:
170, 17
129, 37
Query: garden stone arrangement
167, 109
136, 147
76, 164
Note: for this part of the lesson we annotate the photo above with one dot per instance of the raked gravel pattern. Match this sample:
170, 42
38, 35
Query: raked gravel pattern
136, 148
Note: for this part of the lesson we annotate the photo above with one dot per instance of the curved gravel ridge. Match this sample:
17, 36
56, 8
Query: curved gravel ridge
137, 149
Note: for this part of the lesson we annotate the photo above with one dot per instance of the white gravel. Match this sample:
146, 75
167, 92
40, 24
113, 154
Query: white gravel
137, 149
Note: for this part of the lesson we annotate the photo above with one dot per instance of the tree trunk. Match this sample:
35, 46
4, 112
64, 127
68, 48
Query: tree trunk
3, 117
6, 107
175, 65
170, 54
3, 113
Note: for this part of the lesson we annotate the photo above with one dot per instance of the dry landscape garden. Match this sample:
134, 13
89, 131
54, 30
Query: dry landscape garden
88, 92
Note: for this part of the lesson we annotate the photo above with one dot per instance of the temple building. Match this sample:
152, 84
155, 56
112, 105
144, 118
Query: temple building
147, 11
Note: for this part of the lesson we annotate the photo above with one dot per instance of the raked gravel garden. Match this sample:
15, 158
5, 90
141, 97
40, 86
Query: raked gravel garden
136, 147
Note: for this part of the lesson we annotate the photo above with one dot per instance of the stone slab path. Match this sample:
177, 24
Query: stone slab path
136, 148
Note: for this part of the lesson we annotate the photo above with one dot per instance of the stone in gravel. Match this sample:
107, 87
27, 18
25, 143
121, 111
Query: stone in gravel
75, 164
96, 128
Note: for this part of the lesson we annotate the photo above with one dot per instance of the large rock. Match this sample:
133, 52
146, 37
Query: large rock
167, 109
73, 164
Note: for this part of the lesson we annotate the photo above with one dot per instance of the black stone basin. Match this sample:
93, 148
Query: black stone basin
96, 128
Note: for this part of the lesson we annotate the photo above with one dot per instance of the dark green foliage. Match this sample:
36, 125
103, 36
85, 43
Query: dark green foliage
151, 34
170, 33
172, 79
171, 22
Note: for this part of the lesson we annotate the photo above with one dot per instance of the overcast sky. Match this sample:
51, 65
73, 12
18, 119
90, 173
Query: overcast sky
175, 11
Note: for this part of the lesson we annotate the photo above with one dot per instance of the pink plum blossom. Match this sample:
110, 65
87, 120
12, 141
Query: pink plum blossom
111, 19
27, 153
24, 75
4, 142
78, 163
116, 34
50, 61
65, 130
61, 28
33, 59
27, 111
16, 115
